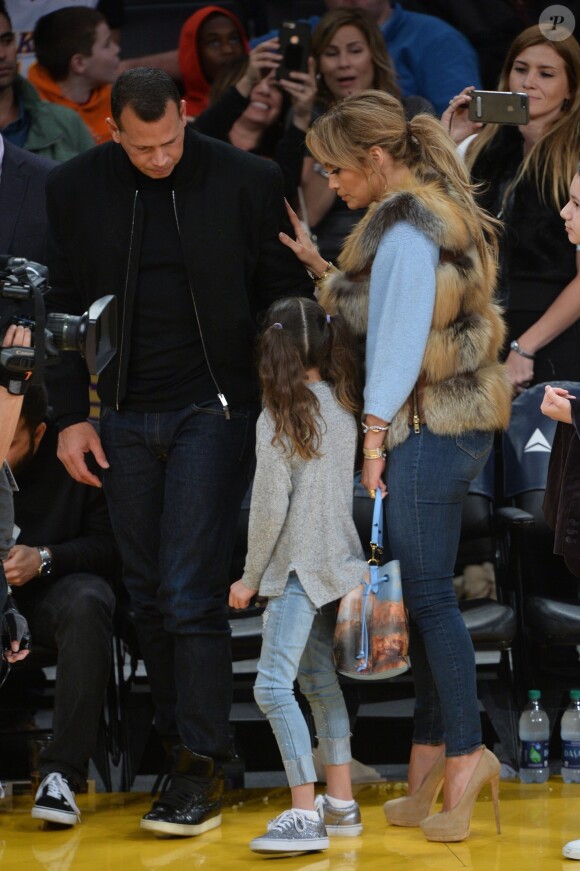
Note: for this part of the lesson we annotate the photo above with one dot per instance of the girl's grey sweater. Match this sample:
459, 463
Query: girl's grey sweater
301, 510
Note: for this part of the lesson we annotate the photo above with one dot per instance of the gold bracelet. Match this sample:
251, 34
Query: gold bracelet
330, 267
374, 453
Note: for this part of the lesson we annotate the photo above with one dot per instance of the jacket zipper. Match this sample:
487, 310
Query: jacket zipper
117, 403
416, 417
220, 395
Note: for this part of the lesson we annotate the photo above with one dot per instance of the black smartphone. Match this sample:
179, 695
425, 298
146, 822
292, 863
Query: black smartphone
294, 48
499, 107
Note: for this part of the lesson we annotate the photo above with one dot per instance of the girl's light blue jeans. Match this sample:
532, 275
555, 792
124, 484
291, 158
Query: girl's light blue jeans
297, 643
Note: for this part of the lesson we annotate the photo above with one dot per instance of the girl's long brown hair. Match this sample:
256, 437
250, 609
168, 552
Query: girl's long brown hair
297, 336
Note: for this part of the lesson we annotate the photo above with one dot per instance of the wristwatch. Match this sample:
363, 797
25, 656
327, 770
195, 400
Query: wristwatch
45, 561
515, 346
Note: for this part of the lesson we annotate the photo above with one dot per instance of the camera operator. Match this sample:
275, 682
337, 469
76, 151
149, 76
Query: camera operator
61, 570
10, 406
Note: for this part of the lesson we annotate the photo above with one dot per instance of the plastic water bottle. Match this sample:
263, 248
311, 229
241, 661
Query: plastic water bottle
534, 732
570, 734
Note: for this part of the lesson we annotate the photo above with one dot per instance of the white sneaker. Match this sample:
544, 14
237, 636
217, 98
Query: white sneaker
571, 850
292, 832
55, 801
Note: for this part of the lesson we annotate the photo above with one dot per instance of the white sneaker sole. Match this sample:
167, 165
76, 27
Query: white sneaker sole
571, 850
266, 845
344, 831
53, 816
168, 830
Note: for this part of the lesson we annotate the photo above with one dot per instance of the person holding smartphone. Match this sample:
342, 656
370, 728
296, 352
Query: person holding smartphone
259, 111
524, 173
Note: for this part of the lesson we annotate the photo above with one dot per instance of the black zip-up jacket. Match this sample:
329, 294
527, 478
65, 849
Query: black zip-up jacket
229, 208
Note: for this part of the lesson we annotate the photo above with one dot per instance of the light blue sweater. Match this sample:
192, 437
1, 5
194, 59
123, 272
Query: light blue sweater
402, 299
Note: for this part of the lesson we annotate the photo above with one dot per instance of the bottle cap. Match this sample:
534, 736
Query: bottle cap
575, 694
534, 694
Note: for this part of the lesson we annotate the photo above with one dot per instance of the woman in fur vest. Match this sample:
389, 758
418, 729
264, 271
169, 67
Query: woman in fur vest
416, 277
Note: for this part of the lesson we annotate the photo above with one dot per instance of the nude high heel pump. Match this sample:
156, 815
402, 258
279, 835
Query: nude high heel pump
453, 825
411, 809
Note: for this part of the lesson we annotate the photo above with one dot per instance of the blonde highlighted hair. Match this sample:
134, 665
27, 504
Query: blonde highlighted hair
551, 162
344, 135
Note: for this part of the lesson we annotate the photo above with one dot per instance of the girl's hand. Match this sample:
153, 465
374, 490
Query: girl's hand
556, 404
520, 371
455, 118
240, 595
262, 60
372, 476
302, 90
303, 246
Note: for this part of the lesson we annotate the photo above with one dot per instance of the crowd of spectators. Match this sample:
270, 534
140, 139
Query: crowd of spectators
58, 68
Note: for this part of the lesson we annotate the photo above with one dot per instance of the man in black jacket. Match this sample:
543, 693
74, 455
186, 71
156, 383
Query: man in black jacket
61, 571
184, 230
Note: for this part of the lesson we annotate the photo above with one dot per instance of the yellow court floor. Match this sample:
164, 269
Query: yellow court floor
536, 821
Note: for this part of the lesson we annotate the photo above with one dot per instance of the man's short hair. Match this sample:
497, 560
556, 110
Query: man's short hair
34, 409
4, 12
146, 91
60, 35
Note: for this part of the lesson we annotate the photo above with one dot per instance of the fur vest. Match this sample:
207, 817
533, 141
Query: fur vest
462, 385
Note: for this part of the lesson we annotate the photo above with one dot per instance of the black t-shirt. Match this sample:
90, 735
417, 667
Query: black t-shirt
167, 365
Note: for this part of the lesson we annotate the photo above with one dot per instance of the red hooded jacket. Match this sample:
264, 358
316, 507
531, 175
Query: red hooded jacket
196, 86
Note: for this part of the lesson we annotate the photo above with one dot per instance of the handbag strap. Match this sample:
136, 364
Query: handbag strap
376, 541
374, 579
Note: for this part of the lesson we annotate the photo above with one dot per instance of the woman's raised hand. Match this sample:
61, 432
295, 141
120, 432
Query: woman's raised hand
262, 60
303, 246
455, 118
302, 90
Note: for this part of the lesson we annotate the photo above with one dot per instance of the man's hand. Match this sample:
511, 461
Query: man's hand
73, 443
21, 565
240, 595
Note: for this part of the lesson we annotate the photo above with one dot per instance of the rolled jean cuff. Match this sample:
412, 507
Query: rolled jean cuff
301, 770
472, 749
334, 751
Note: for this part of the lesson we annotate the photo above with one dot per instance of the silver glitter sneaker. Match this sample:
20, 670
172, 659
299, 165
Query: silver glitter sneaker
345, 822
292, 832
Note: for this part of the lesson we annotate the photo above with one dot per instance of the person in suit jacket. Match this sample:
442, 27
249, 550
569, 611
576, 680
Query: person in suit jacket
23, 202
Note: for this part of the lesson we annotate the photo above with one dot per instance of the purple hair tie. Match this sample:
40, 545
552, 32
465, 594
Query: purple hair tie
277, 326
327, 319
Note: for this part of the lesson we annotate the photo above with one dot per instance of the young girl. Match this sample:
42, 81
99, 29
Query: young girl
304, 553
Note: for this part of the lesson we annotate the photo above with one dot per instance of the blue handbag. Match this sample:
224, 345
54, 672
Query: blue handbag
371, 638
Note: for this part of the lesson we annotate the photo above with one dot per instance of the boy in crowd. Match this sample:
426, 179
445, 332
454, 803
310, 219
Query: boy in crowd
77, 62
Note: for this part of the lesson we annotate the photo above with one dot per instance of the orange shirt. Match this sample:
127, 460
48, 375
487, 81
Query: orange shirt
93, 112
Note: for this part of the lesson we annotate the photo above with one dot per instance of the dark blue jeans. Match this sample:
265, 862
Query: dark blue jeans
73, 616
174, 489
428, 477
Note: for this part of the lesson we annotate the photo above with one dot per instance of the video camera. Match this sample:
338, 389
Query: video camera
92, 334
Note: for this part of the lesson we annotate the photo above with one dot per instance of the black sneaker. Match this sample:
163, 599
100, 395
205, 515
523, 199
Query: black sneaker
55, 801
191, 801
